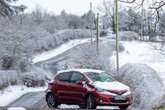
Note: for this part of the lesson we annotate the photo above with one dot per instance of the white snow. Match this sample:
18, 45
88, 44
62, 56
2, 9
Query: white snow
16, 108
115, 85
57, 51
82, 70
12, 93
144, 53
64, 106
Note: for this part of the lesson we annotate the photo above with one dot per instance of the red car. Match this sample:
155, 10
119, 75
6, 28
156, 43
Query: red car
87, 88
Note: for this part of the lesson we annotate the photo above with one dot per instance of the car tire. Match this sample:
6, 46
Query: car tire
28, 84
51, 101
123, 107
90, 102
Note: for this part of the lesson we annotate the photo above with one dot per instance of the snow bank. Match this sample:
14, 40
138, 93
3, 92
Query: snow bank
16, 108
12, 93
145, 83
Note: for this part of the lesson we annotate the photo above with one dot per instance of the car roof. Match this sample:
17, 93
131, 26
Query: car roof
82, 70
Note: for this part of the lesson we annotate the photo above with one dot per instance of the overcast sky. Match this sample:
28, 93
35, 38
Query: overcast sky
55, 6
78, 7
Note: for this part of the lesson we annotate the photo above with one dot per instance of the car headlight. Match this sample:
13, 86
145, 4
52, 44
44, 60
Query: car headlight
128, 93
105, 92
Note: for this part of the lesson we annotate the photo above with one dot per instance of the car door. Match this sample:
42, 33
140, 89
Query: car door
77, 91
62, 87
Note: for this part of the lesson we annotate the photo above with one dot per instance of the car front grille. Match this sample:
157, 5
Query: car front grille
113, 100
119, 101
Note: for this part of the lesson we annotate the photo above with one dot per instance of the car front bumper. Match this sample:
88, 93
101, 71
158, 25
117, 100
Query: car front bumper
104, 99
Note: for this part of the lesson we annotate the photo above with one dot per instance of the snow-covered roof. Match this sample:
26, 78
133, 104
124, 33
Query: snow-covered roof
82, 70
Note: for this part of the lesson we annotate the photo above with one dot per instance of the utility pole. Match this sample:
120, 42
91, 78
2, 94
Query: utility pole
91, 6
21, 18
117, 35
91, 22
97, 33
142, 25
113, 21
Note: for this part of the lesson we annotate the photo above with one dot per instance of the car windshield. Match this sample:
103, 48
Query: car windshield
102, 77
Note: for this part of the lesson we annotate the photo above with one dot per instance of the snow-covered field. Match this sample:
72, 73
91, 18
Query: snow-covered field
57, 51
12, 93
144, 53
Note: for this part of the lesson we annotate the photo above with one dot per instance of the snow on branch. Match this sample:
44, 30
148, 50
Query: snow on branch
158, 5
127, 1
7, 9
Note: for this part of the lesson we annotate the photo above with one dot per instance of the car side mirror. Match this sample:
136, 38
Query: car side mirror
82, 82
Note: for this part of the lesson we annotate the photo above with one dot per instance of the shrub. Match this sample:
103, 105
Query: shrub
7, 62
63, 36
146, 85
8, 77
103, 33
128, 36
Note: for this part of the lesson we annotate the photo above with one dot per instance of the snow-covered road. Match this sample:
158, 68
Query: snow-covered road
59, 50
144, 53
12, 93
31, 100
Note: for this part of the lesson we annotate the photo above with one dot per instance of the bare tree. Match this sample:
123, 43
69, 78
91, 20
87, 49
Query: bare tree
155, 5
107, 8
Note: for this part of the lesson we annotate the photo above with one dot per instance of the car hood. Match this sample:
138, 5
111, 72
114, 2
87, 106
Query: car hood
112, 86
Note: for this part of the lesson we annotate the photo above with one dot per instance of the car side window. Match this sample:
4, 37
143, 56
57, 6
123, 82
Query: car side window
64, 77
76, 76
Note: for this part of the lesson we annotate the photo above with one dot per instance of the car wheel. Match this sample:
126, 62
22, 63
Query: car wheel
51, 101
28, 84
90, 102
123, 107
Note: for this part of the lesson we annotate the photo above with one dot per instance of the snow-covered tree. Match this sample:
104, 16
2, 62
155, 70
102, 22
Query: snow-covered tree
89, 19
38, 15
162, 24
75, 22
7, 9
130, 20
108, 11
106, 22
